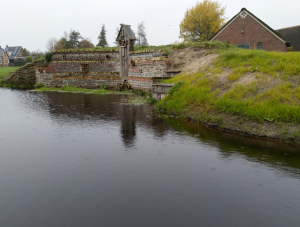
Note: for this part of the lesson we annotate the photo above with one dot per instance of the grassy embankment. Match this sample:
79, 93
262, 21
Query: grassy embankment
7, 70
251, 84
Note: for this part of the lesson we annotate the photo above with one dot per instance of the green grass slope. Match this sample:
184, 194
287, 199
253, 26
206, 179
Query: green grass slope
255, 85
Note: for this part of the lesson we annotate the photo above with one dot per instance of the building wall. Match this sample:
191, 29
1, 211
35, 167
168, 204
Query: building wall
4, 61
254, 32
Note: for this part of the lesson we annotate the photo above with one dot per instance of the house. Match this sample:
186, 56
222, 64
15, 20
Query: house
247, 31
4, 58
14, 52
292, 34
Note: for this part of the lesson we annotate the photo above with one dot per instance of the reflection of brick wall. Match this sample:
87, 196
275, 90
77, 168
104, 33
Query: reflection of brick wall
254, 32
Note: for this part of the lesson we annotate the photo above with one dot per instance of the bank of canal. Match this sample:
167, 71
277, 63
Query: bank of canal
71, 159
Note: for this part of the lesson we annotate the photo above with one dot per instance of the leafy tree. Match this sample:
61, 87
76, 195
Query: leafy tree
141, 35
61, 44
102, 37
36, 58
85, 43
28, 59
73, 40
201, 22
25, 52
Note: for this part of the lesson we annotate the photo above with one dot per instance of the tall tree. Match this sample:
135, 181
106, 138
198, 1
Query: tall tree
201, 22
102, 37
73, 40
61, 44
25, 52
141, 35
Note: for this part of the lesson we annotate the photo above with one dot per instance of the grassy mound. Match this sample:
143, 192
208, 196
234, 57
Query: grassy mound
255, 85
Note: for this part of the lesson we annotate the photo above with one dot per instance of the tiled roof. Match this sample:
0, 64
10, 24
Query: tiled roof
14, 51
292, 34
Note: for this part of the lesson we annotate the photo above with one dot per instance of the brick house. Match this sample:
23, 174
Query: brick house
14, 52
247, 31
4, 58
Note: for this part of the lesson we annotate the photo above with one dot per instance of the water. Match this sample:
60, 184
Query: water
93, 160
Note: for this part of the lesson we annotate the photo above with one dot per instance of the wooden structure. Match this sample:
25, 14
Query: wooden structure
125, 39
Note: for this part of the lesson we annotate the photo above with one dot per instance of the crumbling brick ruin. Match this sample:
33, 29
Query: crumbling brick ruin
97, 67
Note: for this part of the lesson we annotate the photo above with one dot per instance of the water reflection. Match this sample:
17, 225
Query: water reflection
81, 159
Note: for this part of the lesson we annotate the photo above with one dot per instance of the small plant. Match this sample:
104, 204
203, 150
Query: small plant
174, 88
39, 85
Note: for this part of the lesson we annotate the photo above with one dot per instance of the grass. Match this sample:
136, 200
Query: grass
7, 70
75, 89
259, 100
271, 63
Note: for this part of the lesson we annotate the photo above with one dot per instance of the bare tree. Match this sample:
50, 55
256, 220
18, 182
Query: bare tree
51, 44
141, 35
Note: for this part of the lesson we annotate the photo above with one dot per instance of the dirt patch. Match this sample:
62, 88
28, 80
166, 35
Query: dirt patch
190, 60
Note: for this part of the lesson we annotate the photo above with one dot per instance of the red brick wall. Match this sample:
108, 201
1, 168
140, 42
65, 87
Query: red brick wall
254, 32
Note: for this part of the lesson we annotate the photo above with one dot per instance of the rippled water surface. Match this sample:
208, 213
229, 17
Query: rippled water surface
92, 160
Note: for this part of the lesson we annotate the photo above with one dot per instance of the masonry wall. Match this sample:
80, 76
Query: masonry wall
254, 32
146, 65
89, 69
95, 69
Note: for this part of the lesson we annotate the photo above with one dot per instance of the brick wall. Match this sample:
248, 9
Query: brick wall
94, 69
91, 69
147, 65
254, 32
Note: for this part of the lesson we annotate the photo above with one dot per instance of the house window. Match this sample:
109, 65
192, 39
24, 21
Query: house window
259, 46
243, 46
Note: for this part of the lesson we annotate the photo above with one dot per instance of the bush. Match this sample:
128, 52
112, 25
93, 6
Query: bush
39, 85
48, 57
28, 59
36, 58
290, 49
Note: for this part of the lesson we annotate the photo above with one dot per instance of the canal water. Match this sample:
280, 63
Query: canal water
95, 160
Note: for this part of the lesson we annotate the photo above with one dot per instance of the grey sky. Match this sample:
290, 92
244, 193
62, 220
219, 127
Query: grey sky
31, 23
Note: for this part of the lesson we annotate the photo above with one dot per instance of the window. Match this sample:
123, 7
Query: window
259, 46
243, 46
243, 14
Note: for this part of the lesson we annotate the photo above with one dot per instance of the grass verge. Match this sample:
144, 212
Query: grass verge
7, 70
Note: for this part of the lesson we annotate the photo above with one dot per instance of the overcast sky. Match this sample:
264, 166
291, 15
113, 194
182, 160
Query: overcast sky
31, 23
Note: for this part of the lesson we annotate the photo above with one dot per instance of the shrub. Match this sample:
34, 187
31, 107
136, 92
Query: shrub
39, 85
48, 57
289, 49
28, 59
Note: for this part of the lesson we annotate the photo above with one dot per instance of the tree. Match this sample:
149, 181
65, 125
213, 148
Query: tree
61, 44
73, 40
37, 53
141, 35
201, 22
102, 37
51, 44
28, 59
25, 52
86, 43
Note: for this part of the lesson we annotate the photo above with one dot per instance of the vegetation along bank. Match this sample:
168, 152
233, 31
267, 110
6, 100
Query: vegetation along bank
250, 92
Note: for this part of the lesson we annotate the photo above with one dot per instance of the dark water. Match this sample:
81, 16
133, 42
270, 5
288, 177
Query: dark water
88, 160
